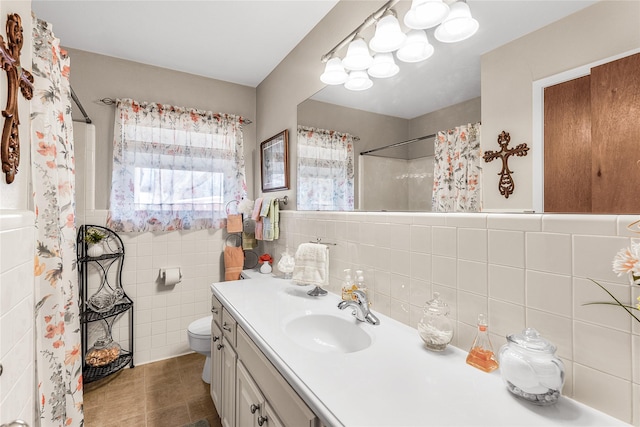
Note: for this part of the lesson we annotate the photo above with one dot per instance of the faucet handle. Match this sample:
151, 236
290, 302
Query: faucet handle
361, 297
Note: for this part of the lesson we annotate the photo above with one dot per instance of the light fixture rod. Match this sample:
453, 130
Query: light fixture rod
373, 18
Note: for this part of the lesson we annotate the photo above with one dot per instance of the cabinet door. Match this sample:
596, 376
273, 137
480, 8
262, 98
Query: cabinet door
270, 418
249, 400
229, 359
216, 366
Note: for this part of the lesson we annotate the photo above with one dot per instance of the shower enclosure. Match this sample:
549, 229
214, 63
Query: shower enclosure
397, 177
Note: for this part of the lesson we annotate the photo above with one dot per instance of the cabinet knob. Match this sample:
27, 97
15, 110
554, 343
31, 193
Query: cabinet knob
226, 327
214, 310
215, 338
254, 408
219, 346
262, 420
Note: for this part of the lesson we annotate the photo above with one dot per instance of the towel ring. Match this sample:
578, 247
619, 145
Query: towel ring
250, 260
226, 207
238, 238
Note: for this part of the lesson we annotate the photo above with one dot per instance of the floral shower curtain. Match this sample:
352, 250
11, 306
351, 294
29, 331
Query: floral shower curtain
58, 358
325, 170
174, 168
457, 168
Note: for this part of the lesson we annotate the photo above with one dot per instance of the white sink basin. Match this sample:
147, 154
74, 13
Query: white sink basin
328, 334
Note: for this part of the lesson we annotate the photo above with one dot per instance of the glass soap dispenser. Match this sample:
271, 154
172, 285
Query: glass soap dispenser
481, 354
435, 328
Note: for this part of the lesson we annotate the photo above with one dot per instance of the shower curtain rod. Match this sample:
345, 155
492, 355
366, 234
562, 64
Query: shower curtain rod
398, 144
77, 101
111, 101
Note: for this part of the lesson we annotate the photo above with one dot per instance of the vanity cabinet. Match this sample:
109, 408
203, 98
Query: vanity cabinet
216, 364
228, 409
223, 363
246, 389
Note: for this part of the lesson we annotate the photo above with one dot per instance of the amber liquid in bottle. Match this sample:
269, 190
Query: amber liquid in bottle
481, 354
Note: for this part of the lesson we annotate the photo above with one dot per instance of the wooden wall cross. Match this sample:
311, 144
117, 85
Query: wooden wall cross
17, 77
506, 185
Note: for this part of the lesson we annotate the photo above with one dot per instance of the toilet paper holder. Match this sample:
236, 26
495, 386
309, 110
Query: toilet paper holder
169, 276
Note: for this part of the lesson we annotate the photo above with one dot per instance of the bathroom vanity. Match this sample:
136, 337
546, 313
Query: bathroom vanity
283, 358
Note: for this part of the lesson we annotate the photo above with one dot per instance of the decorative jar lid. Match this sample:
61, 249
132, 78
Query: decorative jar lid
530, 339
436, 306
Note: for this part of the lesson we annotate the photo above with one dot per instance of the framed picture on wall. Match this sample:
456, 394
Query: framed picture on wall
274, 162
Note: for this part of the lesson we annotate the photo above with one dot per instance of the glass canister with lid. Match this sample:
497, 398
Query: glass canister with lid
530, 369
435, 328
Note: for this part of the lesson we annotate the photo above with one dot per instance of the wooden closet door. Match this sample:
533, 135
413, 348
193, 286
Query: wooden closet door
615, 133
567, 146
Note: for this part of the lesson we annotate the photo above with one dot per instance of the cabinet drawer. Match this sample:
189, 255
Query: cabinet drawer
216, 310
290, 408
229, 327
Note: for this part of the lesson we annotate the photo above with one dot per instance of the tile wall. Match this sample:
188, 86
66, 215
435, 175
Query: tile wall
523, 270
17, 384
162, 314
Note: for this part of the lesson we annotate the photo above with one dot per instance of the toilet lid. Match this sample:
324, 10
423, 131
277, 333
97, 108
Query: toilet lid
201, 326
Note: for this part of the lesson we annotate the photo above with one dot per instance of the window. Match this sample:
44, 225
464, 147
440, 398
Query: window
174, 168
325, 170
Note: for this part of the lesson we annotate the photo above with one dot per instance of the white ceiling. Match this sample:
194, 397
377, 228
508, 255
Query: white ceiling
245, 40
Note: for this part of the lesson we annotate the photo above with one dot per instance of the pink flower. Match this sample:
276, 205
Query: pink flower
628, 260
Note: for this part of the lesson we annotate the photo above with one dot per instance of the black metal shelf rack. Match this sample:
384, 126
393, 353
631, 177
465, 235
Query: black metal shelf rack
104, 266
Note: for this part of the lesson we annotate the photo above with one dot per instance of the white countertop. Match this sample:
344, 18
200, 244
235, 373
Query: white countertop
395, 381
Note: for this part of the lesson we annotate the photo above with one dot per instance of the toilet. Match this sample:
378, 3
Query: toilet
199, 332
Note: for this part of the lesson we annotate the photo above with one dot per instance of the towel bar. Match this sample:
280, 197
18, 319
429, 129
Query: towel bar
319, 240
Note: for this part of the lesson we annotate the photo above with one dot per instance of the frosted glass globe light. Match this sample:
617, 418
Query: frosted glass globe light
417, 47
425, 14
358, 56
334, 73
459, 24
383, 66
388, 36
358, 80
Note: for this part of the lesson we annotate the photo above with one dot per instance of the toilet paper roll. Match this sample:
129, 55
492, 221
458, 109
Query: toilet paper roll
172, 276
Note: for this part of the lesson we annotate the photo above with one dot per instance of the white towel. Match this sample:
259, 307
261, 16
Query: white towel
312, 265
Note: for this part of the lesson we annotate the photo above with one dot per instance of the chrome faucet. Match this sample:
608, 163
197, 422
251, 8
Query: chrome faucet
360, 306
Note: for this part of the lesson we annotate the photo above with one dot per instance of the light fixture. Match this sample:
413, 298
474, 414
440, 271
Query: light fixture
334, 73
425, 14
358, 56
417, 47
358, 80
452, 18
383, 66
459, 24
388, 36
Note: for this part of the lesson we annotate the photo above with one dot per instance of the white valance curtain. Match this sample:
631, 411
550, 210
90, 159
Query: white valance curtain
457, 169
325, 170
174, 168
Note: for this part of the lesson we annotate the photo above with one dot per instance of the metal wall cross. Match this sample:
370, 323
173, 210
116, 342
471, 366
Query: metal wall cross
506, 185
17, 77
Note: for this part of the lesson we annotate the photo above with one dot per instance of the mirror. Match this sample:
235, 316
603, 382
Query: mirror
423, 98
274, 162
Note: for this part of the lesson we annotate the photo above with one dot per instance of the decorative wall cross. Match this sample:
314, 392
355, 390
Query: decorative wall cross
506, 185
16, 77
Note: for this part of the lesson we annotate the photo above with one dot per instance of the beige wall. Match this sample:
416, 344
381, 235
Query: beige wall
297, 77
94, 77
17, 194
605, 29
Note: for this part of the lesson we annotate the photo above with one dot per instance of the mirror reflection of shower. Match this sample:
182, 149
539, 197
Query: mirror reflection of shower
398, 175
